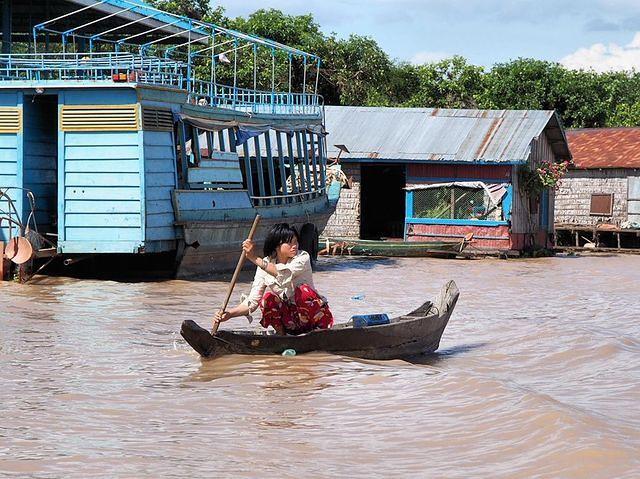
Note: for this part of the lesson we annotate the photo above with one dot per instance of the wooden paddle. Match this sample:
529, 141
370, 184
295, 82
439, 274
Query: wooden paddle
214, 329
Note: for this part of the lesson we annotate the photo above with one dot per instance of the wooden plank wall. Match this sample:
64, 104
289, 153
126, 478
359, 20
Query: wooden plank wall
522, 219
102, 202
102, 192
160, 180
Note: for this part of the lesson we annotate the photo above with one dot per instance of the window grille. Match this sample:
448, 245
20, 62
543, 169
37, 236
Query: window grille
100, 117
157, 119
453, 202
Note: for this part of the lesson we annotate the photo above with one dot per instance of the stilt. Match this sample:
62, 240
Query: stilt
3, 262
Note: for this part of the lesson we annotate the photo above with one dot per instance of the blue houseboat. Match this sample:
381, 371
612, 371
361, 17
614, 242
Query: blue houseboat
125, 129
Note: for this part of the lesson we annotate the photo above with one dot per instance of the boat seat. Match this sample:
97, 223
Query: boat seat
221, 170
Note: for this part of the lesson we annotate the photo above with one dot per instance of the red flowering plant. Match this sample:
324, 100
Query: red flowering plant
547, 175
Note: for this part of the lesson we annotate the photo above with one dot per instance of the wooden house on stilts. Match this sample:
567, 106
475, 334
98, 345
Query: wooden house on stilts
423, 174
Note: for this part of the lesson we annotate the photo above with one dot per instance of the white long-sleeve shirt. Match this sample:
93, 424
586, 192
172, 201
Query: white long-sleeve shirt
290, 275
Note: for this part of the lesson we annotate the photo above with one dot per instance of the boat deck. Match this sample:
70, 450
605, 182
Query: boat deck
41, 70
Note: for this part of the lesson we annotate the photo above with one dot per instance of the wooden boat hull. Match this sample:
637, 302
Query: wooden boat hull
217, 243
357, 247
415, 333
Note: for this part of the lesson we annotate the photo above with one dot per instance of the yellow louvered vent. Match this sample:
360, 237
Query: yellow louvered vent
10, 120
157, 119
100, 118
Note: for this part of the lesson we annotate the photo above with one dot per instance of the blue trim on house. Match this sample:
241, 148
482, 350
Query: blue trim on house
448, 221
444, 221
20, 196
423, 179
507, 202
143, 180
408, 211
543, 220
61, 174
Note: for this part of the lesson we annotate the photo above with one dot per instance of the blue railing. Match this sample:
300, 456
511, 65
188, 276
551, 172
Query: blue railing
127, 67
92, 67
254, 101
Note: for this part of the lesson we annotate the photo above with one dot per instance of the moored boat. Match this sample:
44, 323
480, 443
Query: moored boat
127, 130
359, 247
408, 335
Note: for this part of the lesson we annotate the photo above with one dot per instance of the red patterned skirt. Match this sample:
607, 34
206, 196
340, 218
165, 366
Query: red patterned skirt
308, 311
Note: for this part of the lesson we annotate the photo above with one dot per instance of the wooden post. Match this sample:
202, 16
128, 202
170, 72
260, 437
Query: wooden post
232, 140
273, 191
259, 169
453, 203
247, 168
313, 161
2, 261
304, 184
195, 145
283, 173
210, 144
302, 143
184, 158
292, 165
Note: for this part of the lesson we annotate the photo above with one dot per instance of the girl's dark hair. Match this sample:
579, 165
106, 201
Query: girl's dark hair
278, 234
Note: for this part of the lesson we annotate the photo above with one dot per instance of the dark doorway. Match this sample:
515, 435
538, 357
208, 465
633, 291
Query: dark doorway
40, 166
382, 201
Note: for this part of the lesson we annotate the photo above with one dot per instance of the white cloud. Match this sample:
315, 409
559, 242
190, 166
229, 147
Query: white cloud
601, 58
421, 58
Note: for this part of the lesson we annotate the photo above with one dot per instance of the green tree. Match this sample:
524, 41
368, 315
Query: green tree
196, 9
402, 83
581, 99
625, 115
296, 31
623, 98
359, 69
522, 84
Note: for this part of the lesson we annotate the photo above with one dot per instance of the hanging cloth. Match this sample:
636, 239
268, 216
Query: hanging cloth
247, 130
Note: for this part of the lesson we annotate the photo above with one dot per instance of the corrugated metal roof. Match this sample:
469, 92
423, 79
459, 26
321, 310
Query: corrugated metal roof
433, 134
605, 147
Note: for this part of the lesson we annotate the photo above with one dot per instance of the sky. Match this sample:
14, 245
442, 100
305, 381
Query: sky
591, 34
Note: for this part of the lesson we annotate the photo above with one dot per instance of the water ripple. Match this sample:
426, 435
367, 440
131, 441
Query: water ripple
537, 376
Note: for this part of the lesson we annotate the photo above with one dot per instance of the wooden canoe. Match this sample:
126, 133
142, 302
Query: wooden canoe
358, 247
409, 335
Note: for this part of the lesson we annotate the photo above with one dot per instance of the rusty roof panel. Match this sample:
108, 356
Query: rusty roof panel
605, 147
423, 134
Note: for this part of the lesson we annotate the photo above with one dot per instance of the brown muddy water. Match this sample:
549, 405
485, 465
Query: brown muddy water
538, 376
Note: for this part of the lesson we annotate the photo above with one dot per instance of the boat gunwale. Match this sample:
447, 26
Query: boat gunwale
395, 321
424, 338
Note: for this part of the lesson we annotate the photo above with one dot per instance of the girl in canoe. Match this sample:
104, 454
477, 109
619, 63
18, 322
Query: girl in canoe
283, 286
